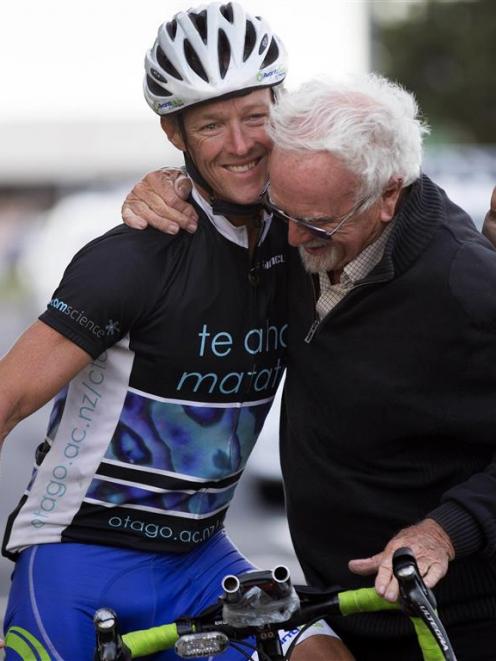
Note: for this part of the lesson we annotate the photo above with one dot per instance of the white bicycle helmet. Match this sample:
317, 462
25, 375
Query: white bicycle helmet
209, 52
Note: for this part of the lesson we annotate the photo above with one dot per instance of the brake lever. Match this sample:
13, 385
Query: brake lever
417, 600
109, 644
413, 590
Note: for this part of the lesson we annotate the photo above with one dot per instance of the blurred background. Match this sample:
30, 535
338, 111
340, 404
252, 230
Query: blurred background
75, 133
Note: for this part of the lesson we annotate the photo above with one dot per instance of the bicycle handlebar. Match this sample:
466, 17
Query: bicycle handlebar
209, 632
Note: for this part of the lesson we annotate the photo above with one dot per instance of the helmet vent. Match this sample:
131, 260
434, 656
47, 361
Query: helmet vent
263, 44
224, 52
272, 54
250, 40
194, 61
200, 23
227, 12
155, 88
171, 28
166, 64
158, 76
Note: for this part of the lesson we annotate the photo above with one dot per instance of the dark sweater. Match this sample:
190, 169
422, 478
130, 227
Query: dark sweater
390, 410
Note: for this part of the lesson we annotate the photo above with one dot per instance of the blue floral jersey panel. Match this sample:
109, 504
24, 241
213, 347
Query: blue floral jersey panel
187, 335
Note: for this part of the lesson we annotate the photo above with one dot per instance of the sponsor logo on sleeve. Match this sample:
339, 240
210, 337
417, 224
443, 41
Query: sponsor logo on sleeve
79, 317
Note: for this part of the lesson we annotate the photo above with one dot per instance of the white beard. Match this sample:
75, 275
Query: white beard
327, 261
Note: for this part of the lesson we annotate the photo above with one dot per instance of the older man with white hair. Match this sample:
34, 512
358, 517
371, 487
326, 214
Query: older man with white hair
392, 371
388, 427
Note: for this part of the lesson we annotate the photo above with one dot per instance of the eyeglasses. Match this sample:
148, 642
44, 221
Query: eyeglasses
313, 225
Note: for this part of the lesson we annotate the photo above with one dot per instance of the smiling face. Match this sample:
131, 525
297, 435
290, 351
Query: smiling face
229, 144
318, 187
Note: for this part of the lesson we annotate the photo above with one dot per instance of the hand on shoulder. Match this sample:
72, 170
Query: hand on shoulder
158, 200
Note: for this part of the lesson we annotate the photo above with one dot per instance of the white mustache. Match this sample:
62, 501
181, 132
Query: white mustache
316, 244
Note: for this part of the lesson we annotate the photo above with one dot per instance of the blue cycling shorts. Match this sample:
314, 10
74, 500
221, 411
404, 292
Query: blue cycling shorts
56, 589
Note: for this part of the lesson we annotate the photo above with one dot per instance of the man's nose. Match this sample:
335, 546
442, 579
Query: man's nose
297, 234
240, 141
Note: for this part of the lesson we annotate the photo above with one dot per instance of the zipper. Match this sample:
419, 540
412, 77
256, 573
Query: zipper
312, 331
254, 281
254, 263
318, 322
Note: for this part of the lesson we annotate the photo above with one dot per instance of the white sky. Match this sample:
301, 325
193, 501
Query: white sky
66, 60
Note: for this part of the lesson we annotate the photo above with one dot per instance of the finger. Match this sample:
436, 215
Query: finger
157, 190
170, 207
434, 574
391, 591
162, 190
162, 179
173, 216
137, 214
159, 215
183, 186
385, 577
365, 566
132, 220
157, 201
163, 213
142, 212
160, 200
182, 207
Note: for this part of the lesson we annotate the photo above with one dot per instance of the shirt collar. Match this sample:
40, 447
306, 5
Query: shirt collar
237, 235
367, 260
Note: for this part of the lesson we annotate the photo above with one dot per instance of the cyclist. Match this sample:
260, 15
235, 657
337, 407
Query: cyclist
163, 355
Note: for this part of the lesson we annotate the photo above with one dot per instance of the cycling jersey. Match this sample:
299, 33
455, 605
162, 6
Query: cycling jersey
188, 335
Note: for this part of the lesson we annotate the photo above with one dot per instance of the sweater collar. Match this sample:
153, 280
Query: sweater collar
416, 222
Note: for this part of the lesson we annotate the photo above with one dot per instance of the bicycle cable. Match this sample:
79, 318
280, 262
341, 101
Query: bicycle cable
294, 642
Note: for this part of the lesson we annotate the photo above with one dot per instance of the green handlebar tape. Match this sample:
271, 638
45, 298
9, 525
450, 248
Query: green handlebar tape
428, 644
149, 641
364, 600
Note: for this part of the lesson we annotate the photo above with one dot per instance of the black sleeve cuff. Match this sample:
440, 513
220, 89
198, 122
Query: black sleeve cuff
71, 334
462, 529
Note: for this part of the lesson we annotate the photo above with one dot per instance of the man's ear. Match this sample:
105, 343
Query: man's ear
170, 126
389, 200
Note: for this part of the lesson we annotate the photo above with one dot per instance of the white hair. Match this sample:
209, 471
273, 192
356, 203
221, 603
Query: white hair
368, 122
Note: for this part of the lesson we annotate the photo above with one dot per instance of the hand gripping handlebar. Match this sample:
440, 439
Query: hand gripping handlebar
260, 603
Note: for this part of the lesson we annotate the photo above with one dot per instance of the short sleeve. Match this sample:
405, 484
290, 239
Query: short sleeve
109, 287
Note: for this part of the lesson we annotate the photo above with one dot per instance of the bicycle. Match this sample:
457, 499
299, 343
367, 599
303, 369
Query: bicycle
260, 603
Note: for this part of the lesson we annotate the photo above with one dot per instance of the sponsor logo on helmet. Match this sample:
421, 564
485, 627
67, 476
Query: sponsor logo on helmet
174, 103
274, 73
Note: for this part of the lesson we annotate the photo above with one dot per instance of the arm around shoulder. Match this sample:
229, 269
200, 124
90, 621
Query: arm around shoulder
39, 364
158, 200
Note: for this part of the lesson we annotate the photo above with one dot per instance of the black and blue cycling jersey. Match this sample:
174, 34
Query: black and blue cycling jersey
187, 333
